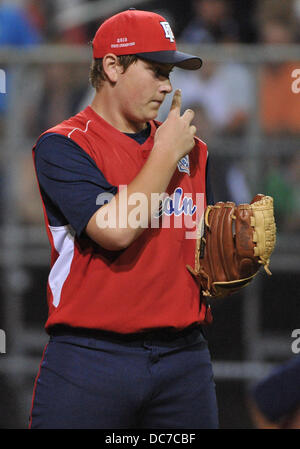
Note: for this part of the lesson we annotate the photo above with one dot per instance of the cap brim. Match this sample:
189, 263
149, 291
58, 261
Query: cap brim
179, 59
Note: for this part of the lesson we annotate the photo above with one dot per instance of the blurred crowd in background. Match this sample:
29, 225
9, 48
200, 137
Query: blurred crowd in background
226, 99
221, 94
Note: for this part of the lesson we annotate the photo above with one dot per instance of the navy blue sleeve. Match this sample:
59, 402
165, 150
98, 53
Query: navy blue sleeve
278, 394
209, 190
70, 181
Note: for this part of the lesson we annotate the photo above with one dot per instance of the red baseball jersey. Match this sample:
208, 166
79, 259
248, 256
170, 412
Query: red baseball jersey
147, 285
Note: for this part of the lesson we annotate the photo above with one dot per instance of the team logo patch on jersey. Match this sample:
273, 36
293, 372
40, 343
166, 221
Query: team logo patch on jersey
184, 165
168, 31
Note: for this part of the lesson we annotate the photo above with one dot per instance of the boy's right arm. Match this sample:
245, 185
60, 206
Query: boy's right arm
173, 140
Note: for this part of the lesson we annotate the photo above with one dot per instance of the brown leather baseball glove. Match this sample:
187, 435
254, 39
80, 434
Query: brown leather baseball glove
233, 242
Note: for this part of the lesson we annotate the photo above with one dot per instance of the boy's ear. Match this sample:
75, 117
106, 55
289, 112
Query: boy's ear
111, 67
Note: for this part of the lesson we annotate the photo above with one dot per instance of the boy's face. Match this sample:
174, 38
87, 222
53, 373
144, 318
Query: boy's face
142, 89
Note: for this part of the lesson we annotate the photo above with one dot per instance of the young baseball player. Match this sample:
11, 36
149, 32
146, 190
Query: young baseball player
122, 194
